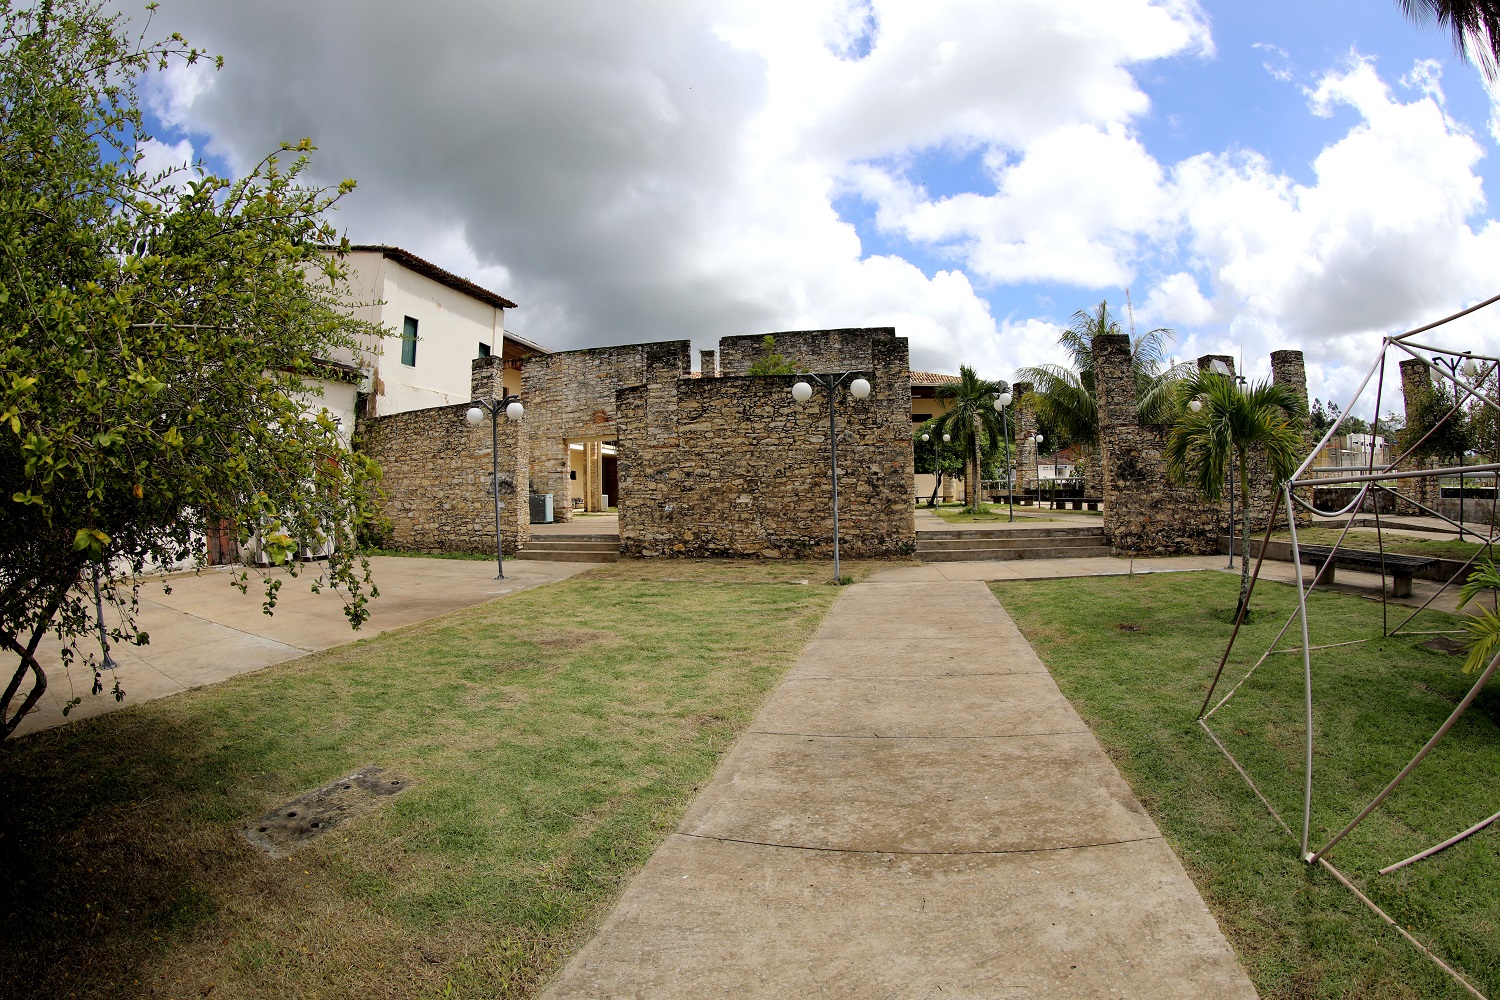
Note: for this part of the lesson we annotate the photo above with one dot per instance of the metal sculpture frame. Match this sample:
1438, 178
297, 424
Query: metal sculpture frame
1370, 479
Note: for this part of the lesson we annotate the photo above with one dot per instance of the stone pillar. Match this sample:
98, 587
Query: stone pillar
1416, 382
1206, 362
1024, 431
709, 364
485, 378
1290, 371
593, 476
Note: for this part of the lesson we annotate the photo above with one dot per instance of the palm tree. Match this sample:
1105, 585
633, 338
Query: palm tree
1228, 423
1474, 24
972, 421
1066, 397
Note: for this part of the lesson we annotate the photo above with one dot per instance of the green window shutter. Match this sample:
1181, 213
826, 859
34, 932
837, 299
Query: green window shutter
409, 343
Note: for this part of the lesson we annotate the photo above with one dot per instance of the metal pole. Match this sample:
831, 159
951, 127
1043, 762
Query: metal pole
495, 484
1010, 465
1038, 475
833, 459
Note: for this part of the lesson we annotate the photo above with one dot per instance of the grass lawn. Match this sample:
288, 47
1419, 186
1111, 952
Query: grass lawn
552, 739
988, 513
1299, 933
1404, 544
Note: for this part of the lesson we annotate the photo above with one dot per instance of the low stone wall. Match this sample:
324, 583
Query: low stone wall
436, 478
732, 466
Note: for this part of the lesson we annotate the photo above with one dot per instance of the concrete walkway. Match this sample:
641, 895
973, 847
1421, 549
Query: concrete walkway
917, 812
205, 631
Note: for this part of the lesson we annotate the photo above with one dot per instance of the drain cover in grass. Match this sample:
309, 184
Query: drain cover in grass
289, 826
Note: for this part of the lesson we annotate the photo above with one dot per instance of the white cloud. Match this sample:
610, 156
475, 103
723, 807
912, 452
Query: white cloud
640, 172
157, 156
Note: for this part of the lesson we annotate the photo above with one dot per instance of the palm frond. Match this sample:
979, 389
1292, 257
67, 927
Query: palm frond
1484, 637
1485, 576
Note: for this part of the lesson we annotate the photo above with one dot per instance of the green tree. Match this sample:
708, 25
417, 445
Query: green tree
972, 421
1474, 24
935, 457
160, 341
772, 362
1229, 423
1435, 428
1067, 401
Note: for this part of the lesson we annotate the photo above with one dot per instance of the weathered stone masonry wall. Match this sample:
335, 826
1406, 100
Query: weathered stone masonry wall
1144, 512
572, 396
814, 350
732, 466
437, 474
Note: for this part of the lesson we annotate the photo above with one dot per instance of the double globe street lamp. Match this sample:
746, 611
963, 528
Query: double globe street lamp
1001, 402
859, 388
510, 406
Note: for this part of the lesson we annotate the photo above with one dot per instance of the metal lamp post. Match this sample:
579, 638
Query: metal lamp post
859, 388
510, 406
1039, 439
1001, 402
1453, 365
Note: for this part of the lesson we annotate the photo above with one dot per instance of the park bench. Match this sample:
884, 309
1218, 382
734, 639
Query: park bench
1400, 567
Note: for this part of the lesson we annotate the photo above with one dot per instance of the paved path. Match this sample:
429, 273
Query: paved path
917, 812
205, 631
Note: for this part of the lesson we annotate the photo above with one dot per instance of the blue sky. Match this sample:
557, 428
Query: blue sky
1260, 176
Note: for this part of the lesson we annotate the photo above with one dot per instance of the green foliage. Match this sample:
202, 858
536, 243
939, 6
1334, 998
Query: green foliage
972, 421
772, 362
1067, 402
161, 339
1232, 421
1435, 427
1483, 624
1321, 417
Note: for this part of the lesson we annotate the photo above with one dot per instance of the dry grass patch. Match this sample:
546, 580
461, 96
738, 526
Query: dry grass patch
553, 737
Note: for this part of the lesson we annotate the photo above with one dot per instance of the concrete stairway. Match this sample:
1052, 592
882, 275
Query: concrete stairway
979, 544
572, 548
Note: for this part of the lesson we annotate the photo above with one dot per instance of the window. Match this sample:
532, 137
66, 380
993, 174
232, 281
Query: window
409, 343
484, 350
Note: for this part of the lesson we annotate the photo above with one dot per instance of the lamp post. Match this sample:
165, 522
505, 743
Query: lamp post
859, 388
1039, 439
1453, 365
1001, 402
510, 405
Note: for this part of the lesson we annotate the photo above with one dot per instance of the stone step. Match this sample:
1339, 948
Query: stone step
566, 545
1086, 531
573, 537
564, 555
981, 554
959, 544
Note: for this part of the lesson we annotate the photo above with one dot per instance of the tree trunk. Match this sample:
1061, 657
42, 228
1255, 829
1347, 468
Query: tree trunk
973, 492
1245, 528
937, 484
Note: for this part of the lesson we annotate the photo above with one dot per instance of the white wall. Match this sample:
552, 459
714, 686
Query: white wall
450, 327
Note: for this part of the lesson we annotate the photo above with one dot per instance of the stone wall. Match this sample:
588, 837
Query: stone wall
733, 466
1025, 437
570, 396
1144, 512
819, 351
437, 470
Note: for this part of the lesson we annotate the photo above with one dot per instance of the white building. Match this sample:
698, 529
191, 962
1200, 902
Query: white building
442, 322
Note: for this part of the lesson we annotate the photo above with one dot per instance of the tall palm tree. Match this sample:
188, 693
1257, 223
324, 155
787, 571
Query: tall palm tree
972, 421
1066, 397
1474, 24
1230, 422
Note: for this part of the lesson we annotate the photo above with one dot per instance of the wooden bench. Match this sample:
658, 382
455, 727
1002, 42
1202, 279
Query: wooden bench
1400, 567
